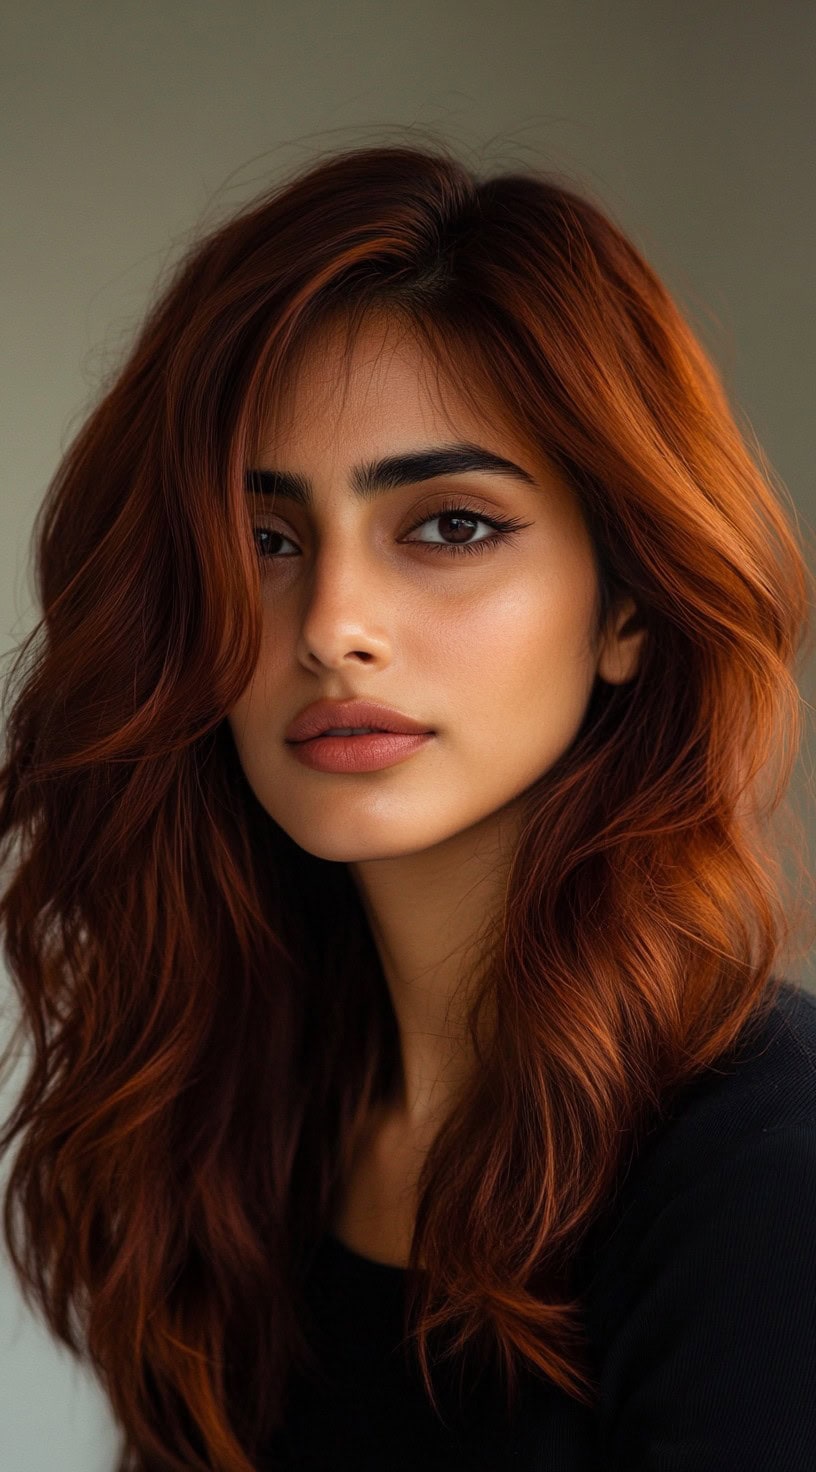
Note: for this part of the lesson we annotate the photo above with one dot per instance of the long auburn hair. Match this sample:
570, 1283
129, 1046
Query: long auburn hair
206, 1012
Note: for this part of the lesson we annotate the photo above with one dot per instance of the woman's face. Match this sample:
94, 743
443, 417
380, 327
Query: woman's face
491, 650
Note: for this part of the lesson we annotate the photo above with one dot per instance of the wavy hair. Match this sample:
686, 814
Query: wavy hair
207, 1016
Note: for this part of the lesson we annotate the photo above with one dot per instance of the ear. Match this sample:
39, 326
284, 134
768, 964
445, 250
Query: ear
620, 648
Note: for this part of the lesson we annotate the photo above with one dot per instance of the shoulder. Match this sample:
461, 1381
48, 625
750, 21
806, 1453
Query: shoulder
757, 1103
766, 1083
767, 1080
701, 1291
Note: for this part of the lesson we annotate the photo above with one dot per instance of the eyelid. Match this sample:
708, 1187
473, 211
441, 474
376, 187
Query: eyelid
465, 503
469, 500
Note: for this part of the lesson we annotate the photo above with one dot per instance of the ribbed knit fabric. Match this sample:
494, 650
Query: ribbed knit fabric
698, 1286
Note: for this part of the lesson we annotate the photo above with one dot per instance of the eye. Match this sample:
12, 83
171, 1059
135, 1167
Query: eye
269, 531
459, 520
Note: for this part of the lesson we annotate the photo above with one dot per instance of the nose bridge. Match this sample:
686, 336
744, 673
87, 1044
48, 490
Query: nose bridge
346, 598
344, 561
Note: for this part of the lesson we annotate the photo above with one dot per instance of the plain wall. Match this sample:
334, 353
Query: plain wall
127, 126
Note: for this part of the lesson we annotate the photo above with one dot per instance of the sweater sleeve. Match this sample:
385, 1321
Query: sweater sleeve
712, 1366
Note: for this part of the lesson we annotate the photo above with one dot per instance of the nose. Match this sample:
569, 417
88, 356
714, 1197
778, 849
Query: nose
346, 617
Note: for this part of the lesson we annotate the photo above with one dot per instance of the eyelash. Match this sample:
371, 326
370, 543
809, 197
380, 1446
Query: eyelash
505, 529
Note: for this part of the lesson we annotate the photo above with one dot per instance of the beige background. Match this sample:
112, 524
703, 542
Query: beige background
126, 127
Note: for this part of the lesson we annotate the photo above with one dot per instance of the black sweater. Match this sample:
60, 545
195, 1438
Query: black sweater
698, 1289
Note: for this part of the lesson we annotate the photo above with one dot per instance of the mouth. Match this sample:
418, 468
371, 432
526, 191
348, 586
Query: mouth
344, 734
364, 751
347, 734
349, 719
375, 731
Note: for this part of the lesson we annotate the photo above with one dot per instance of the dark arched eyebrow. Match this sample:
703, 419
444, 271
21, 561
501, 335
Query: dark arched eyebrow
375, 477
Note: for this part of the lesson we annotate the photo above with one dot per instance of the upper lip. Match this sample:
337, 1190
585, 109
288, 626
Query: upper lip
321, 714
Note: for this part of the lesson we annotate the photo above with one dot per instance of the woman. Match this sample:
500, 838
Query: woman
426, 1094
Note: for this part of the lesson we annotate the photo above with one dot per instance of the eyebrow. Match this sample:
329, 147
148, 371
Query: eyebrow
374, 477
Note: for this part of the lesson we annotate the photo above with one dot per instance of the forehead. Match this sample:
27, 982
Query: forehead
378, 379
354, 396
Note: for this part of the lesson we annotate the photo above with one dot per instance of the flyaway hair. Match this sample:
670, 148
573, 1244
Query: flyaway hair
202, 1002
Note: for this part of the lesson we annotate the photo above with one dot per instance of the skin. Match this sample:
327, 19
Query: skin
492, 651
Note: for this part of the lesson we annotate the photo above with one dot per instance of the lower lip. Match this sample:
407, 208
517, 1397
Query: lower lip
358, 753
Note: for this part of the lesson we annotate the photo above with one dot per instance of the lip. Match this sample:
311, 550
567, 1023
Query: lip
347, 754
318, 717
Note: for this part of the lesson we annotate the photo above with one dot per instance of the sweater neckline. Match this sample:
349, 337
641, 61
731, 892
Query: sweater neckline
361, 1263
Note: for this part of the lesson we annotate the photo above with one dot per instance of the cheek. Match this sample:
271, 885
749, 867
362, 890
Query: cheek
267, 686
520, 670
248, 718
524, 636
